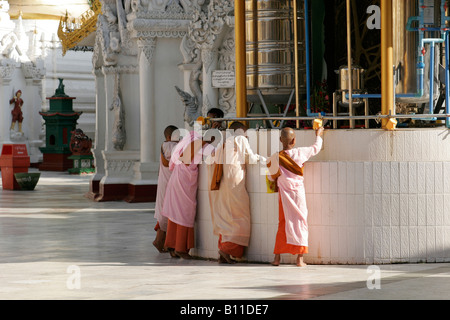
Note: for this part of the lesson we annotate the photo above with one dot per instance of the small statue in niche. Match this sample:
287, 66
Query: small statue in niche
80, 144
16, 112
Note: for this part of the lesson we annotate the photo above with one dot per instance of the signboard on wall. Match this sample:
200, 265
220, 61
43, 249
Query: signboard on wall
223, 79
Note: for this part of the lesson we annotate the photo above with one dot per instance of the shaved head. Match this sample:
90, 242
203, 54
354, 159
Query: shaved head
287, 138
238, 125
168, 131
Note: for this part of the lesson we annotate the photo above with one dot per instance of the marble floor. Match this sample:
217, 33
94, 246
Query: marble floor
55, 244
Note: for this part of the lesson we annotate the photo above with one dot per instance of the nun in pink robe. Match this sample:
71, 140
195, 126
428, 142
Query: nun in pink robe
180, 202
164, 174
292, 235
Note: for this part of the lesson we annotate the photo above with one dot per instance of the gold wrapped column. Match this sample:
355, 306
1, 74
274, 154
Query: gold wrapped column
241, 89
387, 61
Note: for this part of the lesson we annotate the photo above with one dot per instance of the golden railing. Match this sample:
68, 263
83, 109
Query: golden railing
72, 32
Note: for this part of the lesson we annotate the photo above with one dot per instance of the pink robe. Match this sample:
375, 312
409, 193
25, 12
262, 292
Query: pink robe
163, 179
180, 202
292, 194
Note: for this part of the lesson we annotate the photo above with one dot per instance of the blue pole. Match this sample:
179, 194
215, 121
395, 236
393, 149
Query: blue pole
431, 77
308, 68
447, 77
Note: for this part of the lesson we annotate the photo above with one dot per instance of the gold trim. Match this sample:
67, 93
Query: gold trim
72, 32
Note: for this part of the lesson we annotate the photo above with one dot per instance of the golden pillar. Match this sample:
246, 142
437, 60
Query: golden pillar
241, 65
387, 61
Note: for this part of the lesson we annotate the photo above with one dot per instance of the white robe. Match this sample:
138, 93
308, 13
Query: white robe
230, 205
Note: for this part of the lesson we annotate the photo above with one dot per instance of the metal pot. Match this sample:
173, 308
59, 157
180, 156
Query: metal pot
357, 78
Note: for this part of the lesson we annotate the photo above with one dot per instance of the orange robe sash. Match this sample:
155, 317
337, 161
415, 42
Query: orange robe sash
288, 163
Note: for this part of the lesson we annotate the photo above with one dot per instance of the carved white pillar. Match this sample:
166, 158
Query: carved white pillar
32, 124
210, 58
100, 124
149, 164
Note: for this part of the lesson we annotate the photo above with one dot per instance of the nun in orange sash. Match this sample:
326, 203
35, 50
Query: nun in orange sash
286, 168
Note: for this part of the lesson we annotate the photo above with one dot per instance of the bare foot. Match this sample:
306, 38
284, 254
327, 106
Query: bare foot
183, 255
226, 257
159, 247
300, 262
172, 253
276, 260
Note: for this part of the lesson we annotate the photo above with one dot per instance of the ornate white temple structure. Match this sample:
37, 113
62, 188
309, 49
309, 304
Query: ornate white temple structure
31, 61
143, 51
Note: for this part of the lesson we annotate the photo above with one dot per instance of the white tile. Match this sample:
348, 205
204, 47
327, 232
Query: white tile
334, 177
325, 206
430, 211
404, 242
431, 243
386, 177
440, 242
351, 210
334, 218
418, 146
395, 209
395, 243
404, 209
334, 241
429, 177
359, 210
446, 232
422, 243
317, 187
446, 176
410, 151
377, 242
311, 209
412, 209
317, 198
439, 209
309, 180
359, 244
255, 239
342, 209
421, 210
421, 178
447, 210
347, 242
413, 244
264, 207
368, 177
438, 178
325, 177
399, 146
350, 177
386, 239
386, 209
368, 244
413, 178
395, 177
403, 177
255, 207
359, 178
368, 209
342, 177
377, 177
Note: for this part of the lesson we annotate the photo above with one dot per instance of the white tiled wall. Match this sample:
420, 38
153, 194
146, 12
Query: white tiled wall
373, 197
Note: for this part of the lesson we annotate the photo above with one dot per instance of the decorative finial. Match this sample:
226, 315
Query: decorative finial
60, 90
